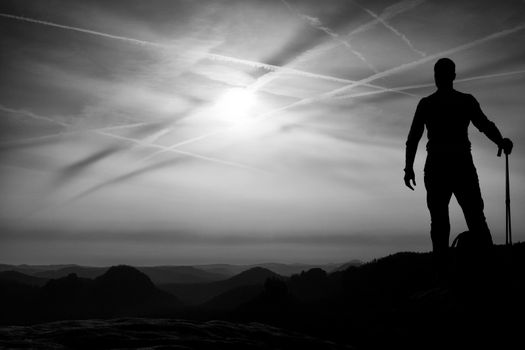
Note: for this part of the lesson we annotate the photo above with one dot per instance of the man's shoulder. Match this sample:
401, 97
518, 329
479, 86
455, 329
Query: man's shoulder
464, 95
436, 96
427, 100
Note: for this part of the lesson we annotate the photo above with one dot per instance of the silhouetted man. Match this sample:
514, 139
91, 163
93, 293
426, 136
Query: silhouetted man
449, 168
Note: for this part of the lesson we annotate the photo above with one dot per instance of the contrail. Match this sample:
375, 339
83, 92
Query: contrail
421, 86
125, 177
82, 30
104, 132
390, 12
156, 136
334, 93
33, 115
423, 60
77, 167
38, 139
190, 154
188, 141
391, 28
259, 83
64, 124
489, 76
316, 23
155, 166
210, 56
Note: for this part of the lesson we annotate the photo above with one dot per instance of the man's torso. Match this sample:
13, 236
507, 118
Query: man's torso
447, 116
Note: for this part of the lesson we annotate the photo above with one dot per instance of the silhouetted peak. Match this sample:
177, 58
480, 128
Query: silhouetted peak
122, 277
70, 280
255, 275
349, 264
312, 276
315, 273
66, 288
10, 274
19, 277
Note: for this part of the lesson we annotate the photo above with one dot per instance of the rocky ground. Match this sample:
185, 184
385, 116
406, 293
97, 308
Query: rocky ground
139, 333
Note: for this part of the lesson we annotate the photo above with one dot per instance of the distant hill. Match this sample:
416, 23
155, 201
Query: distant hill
278, 268
173, 274
32, 269
120, 291
127, 291
80, 271
198, 293
180, 274
346, 265
22, 278
158, 274
398, 301
292, 269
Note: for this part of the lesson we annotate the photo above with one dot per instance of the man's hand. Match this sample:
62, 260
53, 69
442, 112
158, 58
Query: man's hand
410, 177
505, 145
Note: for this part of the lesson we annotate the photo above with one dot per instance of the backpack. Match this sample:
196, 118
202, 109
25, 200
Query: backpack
470, 242
471, 257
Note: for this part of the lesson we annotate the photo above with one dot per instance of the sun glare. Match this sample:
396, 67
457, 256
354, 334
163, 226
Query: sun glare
235, 105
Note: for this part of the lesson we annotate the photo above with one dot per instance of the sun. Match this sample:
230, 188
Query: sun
235, 105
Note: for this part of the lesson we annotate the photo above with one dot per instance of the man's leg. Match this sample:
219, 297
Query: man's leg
438, 199
468, 194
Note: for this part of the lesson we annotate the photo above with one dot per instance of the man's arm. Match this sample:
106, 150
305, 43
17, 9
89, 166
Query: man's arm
483, 124
414, 135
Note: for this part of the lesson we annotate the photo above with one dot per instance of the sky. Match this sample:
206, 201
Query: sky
240, 131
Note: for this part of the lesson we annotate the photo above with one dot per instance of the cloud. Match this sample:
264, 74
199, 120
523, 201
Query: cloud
79, 166
122, 178
172, 46
387, 73
320, 159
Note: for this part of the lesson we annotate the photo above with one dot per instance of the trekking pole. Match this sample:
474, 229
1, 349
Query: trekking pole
508, 226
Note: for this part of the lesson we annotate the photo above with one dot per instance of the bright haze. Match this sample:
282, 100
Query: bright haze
186, 132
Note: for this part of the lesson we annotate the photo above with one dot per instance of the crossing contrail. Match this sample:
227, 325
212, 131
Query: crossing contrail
392, 29
210, 56
390, 12
33, 115
334, 93
28, 141
316, 23
423, 60
190, 154
104, 132
421, 86
38, 139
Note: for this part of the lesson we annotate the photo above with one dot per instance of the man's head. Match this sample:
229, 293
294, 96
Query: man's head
444, 73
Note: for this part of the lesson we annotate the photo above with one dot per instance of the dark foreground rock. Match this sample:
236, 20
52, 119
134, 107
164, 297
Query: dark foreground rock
133, 333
